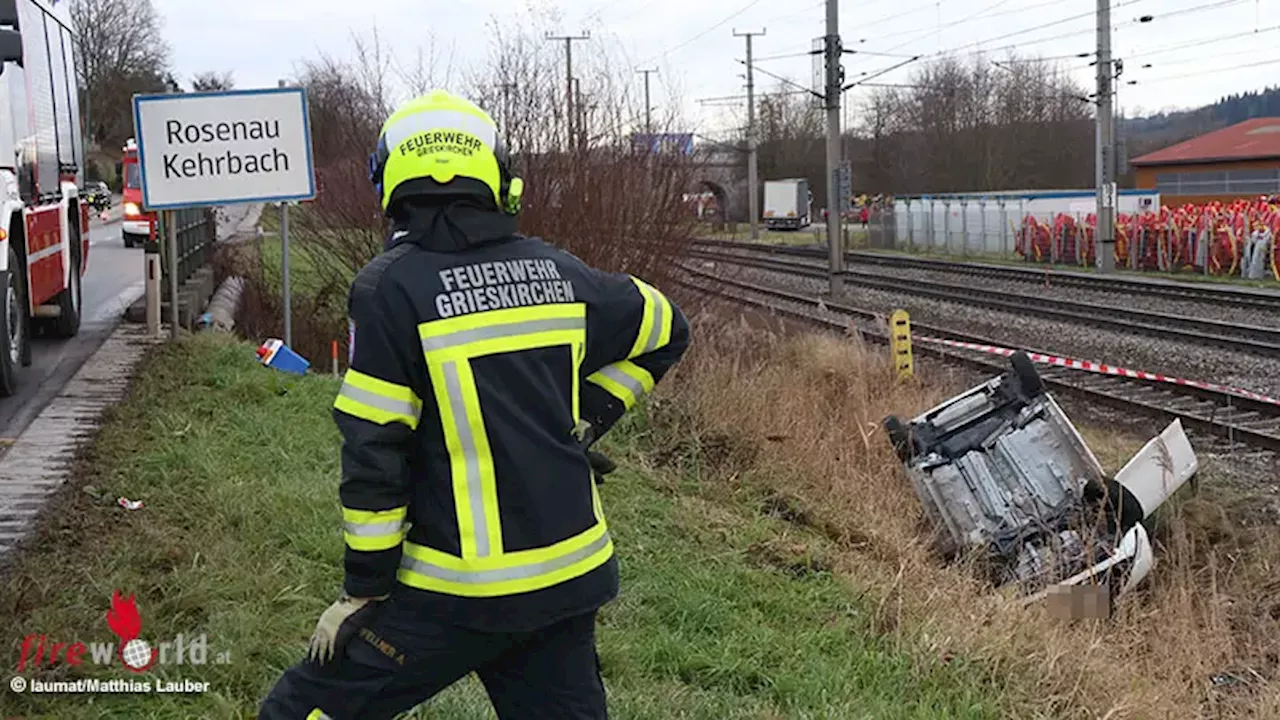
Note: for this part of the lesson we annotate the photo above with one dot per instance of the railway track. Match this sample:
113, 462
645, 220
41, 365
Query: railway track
1236, 418
1255, 339
1204, 292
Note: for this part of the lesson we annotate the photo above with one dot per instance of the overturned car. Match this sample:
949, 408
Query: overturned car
1002, 472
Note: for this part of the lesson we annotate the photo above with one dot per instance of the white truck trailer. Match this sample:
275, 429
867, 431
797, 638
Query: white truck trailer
786, 204
44, 225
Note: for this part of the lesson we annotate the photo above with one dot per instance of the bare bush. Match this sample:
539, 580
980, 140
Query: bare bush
977, 125
120, 51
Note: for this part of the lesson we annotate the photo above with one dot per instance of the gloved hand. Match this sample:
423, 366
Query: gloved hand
601, 465
336, 626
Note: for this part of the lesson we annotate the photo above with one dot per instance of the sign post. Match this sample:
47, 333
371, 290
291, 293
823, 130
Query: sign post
223, 148
284, 268
171, 235
284, 273
151, 251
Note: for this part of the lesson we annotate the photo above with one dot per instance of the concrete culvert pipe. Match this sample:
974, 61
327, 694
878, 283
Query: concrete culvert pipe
220, 315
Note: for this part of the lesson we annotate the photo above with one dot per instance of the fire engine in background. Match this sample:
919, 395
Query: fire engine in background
137, 224
44, 225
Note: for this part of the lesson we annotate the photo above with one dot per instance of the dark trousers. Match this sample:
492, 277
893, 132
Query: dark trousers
402, 659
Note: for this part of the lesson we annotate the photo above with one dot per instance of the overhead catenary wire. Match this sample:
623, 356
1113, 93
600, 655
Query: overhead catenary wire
916, 30
1140, 53
939, 28
1209, 71
956, 51
702, 34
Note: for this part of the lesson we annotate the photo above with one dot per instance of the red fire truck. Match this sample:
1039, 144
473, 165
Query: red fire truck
137, 224
44, 225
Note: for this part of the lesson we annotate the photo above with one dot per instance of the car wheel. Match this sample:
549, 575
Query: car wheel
899, 437
1029, 380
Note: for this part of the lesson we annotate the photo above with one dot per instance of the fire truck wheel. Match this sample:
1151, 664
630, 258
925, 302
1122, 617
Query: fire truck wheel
13, 326
67, 324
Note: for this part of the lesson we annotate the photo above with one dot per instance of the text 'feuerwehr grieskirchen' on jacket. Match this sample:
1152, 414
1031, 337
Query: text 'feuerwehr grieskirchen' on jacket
501, 284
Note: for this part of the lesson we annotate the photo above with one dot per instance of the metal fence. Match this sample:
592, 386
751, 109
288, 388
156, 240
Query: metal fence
197, 234
962, 227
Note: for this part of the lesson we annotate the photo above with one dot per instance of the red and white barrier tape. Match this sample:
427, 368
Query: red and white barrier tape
1093, 367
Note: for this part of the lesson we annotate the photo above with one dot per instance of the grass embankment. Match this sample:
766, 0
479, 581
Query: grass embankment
799, 416
728, 610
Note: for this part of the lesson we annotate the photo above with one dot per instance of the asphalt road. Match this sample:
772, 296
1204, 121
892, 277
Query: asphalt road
113, 281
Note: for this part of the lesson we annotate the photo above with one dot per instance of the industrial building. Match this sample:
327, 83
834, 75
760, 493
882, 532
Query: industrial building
1240, 161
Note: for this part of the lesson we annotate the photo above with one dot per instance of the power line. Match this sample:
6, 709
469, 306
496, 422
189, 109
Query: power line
811, 53
1211, 71
1126, 3
1200, 60
1034, 28
878, 74
940, 28
916, 30
1202, 42
782, 79
702, 34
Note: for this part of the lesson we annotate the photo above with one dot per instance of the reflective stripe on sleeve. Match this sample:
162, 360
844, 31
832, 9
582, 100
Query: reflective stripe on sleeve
624, 380
318, 714
373, 530
378, 401
655, 326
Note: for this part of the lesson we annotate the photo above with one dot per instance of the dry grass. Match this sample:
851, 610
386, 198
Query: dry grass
796, 420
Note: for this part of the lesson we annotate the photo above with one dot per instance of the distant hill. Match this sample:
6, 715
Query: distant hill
1146, 134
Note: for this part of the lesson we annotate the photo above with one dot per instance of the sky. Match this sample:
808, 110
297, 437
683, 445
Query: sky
1189, 53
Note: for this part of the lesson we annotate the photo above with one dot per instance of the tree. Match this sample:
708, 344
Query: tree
212, 82
121, 51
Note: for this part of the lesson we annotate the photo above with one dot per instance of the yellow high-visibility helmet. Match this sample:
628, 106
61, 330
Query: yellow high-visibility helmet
442, 144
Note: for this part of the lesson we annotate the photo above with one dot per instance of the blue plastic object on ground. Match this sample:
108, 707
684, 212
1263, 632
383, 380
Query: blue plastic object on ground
275, 354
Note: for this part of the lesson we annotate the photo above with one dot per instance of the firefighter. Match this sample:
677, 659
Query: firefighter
483, 365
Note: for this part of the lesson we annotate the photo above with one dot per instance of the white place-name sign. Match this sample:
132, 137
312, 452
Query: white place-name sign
222, 148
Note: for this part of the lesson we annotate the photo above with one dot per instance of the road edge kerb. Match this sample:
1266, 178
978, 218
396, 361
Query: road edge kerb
41, 459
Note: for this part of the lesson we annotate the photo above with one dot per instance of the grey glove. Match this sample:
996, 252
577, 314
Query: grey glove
336, 626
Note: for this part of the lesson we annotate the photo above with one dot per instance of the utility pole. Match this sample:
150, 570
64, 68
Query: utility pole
1105, 154
581, 108
753, 167
648, 116
835, 77
568, 77
507, 87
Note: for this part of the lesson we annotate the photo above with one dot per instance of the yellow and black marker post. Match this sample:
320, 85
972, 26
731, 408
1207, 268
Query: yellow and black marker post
900, 345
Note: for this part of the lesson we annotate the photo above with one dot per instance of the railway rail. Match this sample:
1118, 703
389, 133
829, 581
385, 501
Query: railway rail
1201, 291
1230, 416
1255, 339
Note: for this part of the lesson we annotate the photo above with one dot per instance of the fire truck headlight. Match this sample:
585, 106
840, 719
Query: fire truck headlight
131, 209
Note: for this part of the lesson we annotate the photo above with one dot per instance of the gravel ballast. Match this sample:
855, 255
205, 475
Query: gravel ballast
1138, 352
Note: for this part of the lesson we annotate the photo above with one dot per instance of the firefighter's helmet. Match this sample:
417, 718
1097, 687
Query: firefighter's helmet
442, 144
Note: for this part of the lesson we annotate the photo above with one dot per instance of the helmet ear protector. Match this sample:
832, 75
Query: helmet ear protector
510, 189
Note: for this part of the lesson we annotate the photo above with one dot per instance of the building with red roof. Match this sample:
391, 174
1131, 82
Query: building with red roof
1240, 161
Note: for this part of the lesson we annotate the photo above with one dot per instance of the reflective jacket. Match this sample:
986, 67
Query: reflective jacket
462, 477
